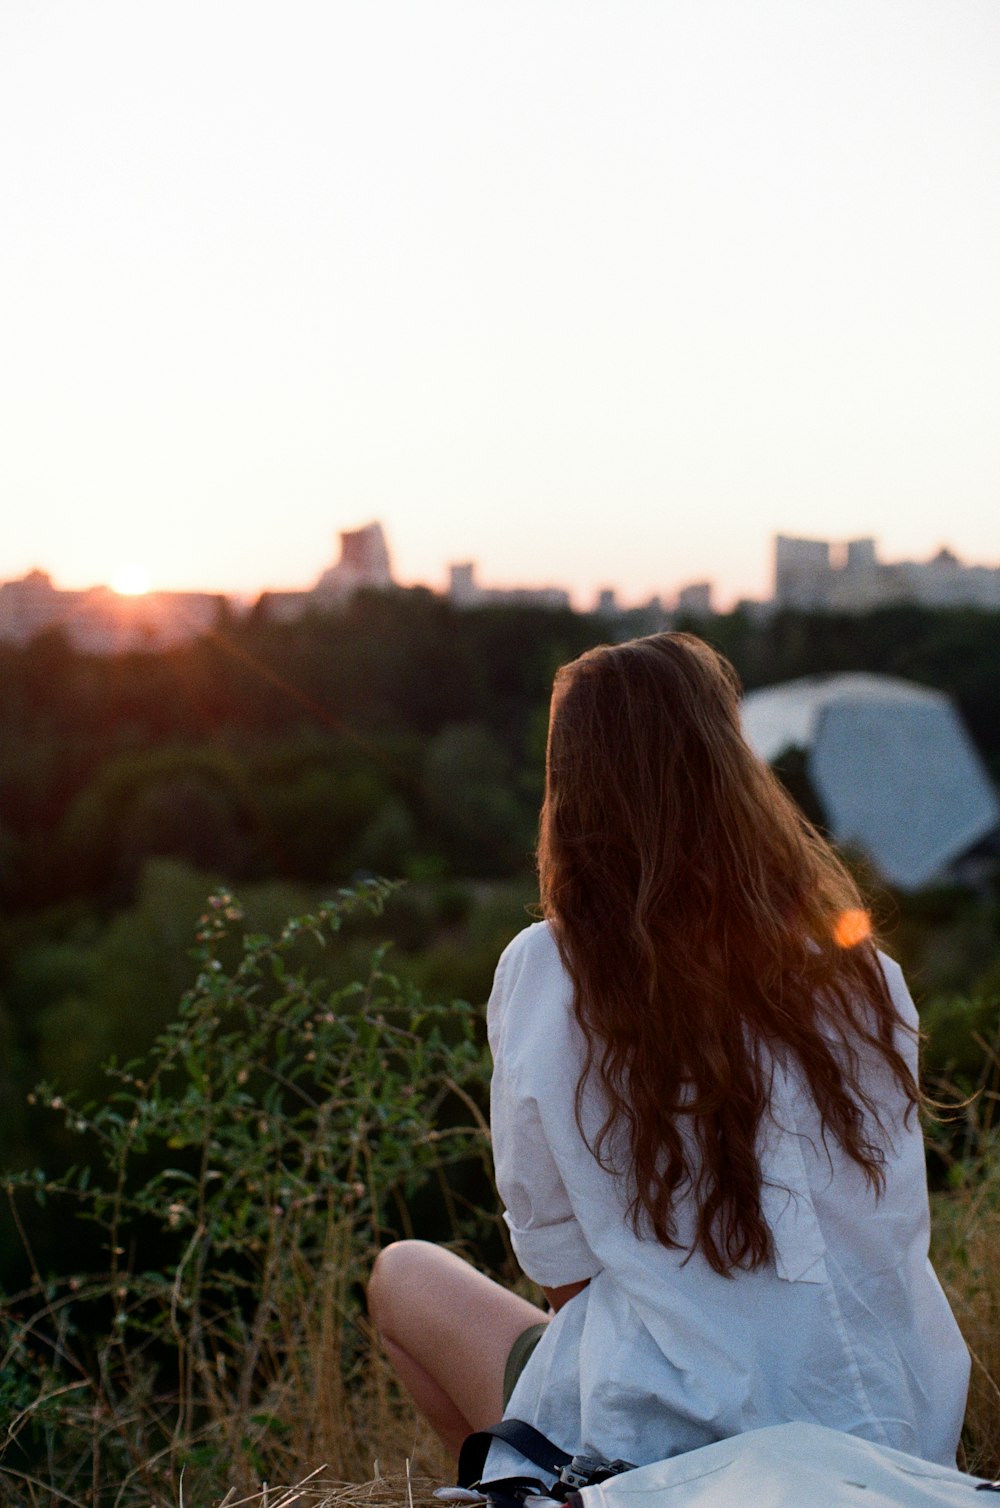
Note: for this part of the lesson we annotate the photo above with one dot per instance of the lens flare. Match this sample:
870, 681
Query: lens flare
852, 927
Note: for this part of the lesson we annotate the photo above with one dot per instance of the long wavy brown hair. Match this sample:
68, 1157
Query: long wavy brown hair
708, 929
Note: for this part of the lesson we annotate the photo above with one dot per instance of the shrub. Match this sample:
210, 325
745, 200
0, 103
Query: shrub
240, 1178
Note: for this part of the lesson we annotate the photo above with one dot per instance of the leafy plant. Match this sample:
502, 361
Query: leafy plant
242, 1176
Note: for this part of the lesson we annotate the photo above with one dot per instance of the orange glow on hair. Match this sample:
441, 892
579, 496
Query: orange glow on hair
852, 927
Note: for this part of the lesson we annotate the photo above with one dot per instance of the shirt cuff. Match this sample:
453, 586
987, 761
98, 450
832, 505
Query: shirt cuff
552, 1255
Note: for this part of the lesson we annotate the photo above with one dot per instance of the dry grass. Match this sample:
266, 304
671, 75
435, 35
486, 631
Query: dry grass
354, 1443
400, 1490
372, 1446
967, 1258
395, 1461
965, 1249
244, 1355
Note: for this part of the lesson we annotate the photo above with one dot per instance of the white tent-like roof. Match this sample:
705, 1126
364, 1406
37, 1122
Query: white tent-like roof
891, 764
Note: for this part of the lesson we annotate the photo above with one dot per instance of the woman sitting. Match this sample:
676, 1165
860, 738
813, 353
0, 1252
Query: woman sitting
704, 1113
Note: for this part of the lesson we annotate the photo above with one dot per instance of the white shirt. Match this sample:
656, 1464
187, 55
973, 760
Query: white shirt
847, 1327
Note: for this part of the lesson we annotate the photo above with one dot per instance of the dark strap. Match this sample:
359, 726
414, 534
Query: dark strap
523, 1438
510, 1492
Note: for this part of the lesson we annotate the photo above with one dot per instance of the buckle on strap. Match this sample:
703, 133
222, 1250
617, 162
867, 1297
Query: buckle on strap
524, 1438
571, 1472
586, 1471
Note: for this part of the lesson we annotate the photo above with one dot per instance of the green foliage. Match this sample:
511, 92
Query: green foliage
461, 959
948, 939
191, 804
791, 767
82, 998
959, 1034
79, 988
396, 735
966, 1236
239, 1178
389, 842
315, 821
310, 750
467, 789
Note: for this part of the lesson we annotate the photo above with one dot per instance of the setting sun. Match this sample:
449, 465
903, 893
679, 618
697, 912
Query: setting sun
130, 581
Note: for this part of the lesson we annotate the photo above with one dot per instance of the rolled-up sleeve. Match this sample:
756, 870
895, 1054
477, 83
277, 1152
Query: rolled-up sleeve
544, 1231
546, 1236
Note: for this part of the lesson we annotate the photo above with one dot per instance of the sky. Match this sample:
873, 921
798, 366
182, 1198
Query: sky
594, 292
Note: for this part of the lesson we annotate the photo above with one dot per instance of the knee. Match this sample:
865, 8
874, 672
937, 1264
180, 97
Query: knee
397, 1271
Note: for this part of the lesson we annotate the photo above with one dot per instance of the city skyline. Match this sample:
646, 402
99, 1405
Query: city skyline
132, 578
601, 294
813, 575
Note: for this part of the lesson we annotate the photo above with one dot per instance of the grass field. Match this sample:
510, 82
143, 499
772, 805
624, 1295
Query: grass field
241, 1180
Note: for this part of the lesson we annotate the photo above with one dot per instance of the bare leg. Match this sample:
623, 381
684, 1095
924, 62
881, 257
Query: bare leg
447, 1330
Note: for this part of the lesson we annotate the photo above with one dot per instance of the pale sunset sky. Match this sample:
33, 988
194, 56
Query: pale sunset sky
595, 292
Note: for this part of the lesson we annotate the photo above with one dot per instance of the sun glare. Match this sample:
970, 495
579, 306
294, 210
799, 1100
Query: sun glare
130, 581
852, 927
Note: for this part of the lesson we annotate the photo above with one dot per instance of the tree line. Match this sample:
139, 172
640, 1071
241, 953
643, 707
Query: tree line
399, 735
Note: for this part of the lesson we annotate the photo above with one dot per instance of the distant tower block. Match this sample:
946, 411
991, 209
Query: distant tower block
861, 556
607, 603
465, 591
695, 601
364, 562
462, 588
802, 572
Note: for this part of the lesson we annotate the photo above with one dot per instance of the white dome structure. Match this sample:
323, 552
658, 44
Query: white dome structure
891, 764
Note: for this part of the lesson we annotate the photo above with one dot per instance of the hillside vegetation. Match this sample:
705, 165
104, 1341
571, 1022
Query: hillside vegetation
187, 1231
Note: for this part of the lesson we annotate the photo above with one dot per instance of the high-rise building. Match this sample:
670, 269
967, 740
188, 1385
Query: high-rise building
801, 572
806, 577
695, 600
364, 562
